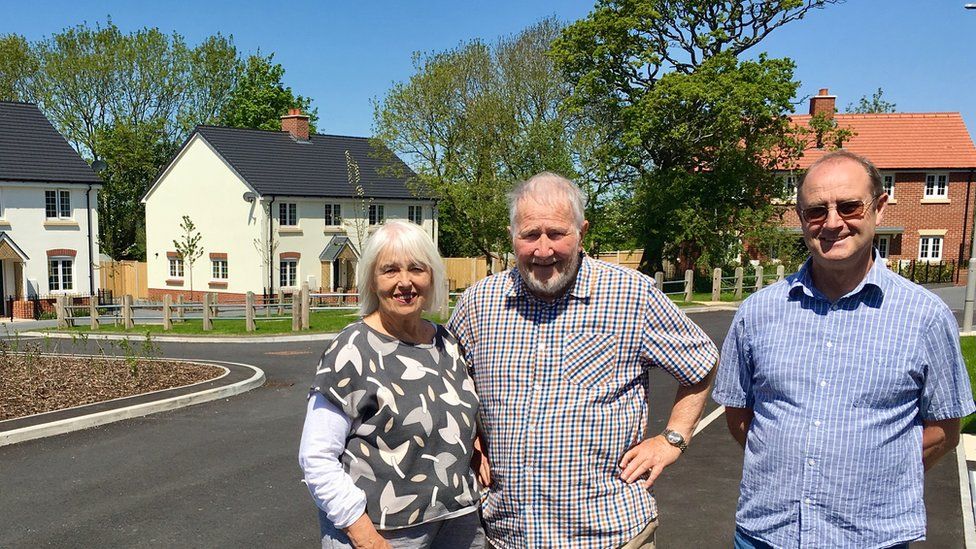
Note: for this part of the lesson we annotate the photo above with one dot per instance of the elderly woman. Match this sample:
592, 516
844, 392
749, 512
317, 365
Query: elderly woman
389, 435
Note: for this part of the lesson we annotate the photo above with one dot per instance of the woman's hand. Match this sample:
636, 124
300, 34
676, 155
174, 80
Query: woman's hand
479, 461
363, 535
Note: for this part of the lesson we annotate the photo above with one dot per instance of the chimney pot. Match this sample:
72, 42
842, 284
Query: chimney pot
823, 103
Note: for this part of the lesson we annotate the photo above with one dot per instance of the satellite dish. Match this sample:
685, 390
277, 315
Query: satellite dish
249, 196
99, 166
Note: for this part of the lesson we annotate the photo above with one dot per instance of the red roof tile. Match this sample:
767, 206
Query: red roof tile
906, 141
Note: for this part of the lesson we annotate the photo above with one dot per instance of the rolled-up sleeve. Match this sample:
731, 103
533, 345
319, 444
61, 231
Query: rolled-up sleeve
947, 392
733, 384
673, 342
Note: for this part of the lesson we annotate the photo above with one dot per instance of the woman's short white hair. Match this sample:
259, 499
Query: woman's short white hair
408, 242
549, 189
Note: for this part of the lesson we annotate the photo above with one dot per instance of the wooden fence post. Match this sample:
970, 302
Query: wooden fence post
659, 280
93, 312
296, 312
179, 306
759, 277
281, 302
306, 305
214, 302
739, 275
689, 284
207, 322
127, 321
59, 309
780, 272
717, 284
167, 312
445, 310
249, 312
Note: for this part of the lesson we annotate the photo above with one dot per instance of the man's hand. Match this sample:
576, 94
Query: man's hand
479, 461
363, 535
650, 457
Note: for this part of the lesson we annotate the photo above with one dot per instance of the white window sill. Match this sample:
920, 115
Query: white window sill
935, 200
290, 230
60, 223
930, 260
334, 229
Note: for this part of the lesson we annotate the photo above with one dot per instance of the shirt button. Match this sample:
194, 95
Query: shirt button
542, 346
817, 423
812, 462
537, 386
829, 344
808, 501
833, 307
823, 383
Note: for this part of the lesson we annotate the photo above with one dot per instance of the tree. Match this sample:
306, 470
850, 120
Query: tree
874, 104
16, 66
188, 248
260, 98
474, 120
359, 222
699, 130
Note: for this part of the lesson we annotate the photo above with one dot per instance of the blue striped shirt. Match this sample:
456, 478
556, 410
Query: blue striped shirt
562, 388
839, 390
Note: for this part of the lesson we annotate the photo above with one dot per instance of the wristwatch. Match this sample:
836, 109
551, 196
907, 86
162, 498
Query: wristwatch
675, 439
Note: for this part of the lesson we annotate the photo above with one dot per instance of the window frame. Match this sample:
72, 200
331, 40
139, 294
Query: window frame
290, 211
293, 275
376, 214
332, 214
925, 245
936, 186
889, 186
177, 268
60, 281
419, 211
216, 272
884, 251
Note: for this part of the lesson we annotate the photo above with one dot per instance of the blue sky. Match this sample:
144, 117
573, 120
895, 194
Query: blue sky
343, 54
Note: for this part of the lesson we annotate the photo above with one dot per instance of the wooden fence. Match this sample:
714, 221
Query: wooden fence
124, 278
462, 272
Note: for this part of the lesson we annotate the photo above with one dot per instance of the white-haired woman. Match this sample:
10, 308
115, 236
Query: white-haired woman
389, 440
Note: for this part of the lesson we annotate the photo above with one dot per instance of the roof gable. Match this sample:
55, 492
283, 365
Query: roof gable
903, 140
31, 149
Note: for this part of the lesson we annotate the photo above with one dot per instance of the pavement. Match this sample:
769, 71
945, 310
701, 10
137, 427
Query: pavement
225, 472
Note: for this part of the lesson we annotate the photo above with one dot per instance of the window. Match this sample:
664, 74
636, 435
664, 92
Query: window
789, 182
883, 243
288, 214
288, 273
888, 182
930, 248
333, 215
376, 215
415, 214
175, 267
57, 204
936, 185
219, 269
59, 276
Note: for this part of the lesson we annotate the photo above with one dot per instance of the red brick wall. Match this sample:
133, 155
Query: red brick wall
156, 294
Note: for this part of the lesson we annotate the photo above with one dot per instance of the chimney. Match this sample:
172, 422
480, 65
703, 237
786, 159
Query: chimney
296, 124
823, 102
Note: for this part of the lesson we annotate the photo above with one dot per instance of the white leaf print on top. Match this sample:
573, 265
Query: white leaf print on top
381, 347
412, 369
452, 433
391, 503
420, 415
441, 463
451, 397
349, 354
393, 457
384, 396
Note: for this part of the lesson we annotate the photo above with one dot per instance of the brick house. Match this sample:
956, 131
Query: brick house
928, 162
48, 214
274, 209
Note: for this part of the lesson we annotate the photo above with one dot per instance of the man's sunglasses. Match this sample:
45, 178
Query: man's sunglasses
850, 209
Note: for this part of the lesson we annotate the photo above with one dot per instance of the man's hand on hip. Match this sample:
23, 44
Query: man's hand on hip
650, 457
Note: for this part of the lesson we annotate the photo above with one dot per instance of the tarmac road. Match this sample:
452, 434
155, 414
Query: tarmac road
225, 473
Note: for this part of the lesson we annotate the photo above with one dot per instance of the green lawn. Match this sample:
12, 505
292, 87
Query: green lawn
969, 353
319, 321
700, 296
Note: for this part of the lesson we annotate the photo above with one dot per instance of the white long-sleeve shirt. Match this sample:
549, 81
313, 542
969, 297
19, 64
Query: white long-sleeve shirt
323, 441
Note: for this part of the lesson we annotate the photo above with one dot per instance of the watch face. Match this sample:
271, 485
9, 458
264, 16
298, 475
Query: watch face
674, 438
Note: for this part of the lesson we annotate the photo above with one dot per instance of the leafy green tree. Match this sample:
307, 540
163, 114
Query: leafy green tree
873, 104
260, 97
189, 248
16, 66
698, 129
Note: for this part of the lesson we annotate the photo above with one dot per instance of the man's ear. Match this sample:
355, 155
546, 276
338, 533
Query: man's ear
583, 229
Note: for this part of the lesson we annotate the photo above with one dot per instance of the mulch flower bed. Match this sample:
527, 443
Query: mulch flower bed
31, 383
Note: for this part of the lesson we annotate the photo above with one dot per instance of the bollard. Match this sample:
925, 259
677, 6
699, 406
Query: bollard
249, 312
967, 314
306, 305
167, 312
759, 277
127, 322
659, 280
207, 321
716, 284
689, 284
92, 313
296, 312
739, 275
780, 272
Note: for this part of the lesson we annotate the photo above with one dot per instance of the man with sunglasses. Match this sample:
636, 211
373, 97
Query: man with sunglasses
843, 383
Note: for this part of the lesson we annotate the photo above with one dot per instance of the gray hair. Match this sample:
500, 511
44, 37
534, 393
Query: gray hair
409, 242
877, 185
549, 189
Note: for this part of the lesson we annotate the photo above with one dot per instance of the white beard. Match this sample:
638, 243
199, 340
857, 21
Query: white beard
557, 284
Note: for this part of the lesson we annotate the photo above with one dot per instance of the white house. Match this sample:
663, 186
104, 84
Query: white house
48, 212
273, 209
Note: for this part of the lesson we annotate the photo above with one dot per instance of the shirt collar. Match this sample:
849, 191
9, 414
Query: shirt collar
580, 288
874, 279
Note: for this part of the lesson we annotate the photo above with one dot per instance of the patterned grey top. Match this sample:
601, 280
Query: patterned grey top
413, 410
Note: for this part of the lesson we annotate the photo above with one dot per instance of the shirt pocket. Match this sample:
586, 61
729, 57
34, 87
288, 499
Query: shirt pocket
885, 382
588, 359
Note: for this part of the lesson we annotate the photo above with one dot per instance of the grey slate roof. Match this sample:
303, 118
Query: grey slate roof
276, 164
332, 249
32, 150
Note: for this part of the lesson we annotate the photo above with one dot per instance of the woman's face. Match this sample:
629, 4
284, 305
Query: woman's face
402, 285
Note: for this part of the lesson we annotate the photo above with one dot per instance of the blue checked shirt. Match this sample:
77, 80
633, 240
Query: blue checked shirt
833, 457
562, 390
